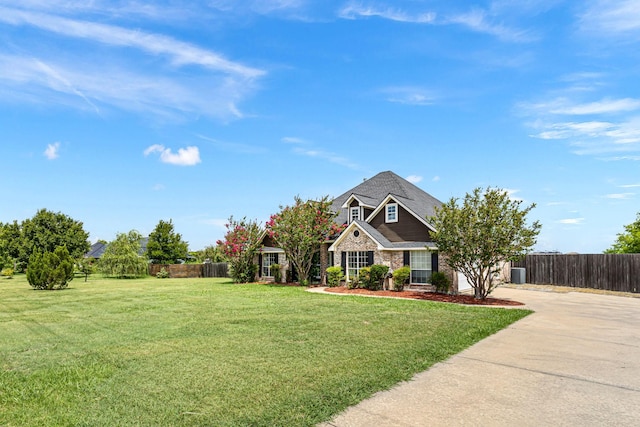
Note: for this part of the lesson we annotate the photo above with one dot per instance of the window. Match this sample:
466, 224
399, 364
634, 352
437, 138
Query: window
267, 260
355, 213
355, 261
420, 262
391, 212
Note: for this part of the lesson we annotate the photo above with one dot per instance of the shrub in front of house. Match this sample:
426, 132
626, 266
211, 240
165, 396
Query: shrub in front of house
277, 273
334, 276
440, 281
162, 274
376, 276
401, 277
364, 278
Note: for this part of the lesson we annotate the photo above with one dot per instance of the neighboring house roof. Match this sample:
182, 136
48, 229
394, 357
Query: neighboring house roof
96, 251
377, 189
98, 248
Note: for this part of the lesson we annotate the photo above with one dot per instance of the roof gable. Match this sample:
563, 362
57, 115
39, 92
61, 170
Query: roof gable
378, 188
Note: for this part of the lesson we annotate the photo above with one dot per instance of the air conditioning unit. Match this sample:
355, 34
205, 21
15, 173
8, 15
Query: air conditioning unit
518, 275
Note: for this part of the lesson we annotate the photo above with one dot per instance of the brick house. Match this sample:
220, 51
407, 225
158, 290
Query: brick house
386, 219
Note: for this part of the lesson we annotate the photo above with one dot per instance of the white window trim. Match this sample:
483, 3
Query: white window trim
386, 212
351, 211
413, 267
268, 272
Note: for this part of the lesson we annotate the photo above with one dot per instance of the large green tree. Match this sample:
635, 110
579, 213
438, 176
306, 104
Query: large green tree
487, 229
629, 241
10, 244
300, 230
240, 246
165, 246
47, 230
122, 258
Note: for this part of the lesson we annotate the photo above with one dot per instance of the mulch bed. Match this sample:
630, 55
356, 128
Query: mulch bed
429, 296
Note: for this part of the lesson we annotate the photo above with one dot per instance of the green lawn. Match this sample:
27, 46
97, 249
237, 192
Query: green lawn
175, 352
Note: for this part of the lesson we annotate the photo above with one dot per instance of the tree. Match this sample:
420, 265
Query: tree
50, 270
166, 246
211, 253
48, 230
122, 259
240, 246
11, 246
629, 241
486, 230
300, 229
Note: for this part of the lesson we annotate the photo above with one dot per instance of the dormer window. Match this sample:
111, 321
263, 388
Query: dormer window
354, 213
391, 212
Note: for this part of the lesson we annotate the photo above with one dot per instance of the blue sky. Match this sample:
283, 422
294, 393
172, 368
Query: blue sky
122, 113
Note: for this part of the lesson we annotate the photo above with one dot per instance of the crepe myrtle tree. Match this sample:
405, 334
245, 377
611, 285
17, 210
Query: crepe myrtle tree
240, 246
300, 230
487, 229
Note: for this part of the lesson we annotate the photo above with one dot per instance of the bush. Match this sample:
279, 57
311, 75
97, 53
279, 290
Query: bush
364, 278
440, 281
276, 272
334, 276
401, 277
376, 276
243, 273
354, 283
7, 272
50, 270
162, 274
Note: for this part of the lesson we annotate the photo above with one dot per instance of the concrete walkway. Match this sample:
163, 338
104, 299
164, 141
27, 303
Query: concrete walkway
574, 362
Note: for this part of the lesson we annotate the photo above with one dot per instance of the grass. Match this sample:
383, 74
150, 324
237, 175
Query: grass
195, 352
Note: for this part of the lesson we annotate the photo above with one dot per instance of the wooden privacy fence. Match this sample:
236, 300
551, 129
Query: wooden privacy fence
612, 272
218, 269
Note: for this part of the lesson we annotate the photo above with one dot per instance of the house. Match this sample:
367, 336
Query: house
386, 223
98, 248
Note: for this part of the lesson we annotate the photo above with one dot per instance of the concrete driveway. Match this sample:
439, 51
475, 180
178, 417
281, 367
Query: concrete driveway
574, 362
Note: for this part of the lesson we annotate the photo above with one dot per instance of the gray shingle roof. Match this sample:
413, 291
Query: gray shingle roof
386, 244
374, 190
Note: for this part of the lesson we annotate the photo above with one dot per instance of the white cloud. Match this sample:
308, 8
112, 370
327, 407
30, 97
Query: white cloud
141, 91
409, 95
357, 10
293, 140
620, 196
630, 186
477, 20
414, 179
573, 221
158, 187
604, 106
52, 150
435, 178
180, 53
512, 194
305, 148
188, 156
605, 17
185, 79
